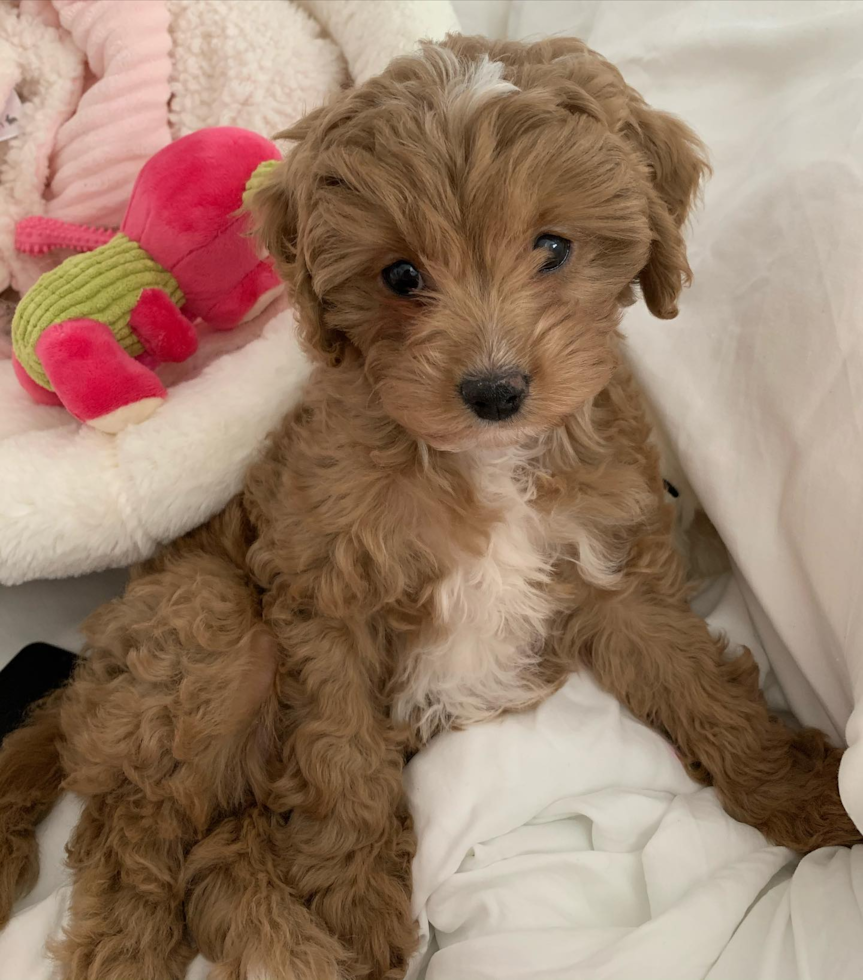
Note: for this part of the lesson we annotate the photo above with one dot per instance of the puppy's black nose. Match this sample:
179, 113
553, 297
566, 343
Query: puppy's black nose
494, 397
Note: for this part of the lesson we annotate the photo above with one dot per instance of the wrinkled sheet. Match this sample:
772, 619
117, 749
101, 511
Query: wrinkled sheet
568, 844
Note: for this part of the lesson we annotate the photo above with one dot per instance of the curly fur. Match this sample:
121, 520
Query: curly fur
395, 566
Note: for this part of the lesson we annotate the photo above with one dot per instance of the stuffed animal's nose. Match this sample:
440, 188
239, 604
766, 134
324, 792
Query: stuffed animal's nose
494, 397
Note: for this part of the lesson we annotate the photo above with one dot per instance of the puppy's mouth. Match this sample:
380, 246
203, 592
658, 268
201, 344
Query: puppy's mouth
506, 435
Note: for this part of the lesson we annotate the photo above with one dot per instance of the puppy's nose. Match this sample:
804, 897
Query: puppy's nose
494, 397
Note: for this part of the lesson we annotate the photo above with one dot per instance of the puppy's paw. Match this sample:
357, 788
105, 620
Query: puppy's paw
794, 801
307, 962
373, 918
114, 958
697, 771
808, 811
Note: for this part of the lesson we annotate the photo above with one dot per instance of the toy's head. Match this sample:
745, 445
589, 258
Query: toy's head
185, 212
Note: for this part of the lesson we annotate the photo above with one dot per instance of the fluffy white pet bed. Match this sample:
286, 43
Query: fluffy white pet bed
74, 501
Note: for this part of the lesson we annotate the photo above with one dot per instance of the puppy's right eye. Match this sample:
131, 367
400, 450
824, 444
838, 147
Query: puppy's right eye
556, 248
402, 278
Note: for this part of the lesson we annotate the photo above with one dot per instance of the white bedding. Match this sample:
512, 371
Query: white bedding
567, 843
570, 844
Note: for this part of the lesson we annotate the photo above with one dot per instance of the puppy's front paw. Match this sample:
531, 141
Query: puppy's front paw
114, 957
381, 929
370, 911
813, 815
802, 809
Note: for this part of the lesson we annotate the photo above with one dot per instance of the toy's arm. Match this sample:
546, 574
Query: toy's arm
38, 235
162, 328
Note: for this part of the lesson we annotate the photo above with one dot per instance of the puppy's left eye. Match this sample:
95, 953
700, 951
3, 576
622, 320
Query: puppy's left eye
557, 248
403, 278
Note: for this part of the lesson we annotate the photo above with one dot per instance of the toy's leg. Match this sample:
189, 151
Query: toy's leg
247, 299
162, 328
40, 395
263, 301
97, 381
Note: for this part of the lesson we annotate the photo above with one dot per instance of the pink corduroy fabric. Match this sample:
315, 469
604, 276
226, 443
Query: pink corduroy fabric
122, 118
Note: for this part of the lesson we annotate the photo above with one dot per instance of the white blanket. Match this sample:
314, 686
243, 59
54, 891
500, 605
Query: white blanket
568, 843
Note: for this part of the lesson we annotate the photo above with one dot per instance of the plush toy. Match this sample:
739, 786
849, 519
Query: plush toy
89, 332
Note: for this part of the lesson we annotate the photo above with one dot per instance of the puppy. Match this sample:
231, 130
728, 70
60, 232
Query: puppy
466, 507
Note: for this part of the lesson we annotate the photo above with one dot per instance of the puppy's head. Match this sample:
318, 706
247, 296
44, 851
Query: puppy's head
469, 225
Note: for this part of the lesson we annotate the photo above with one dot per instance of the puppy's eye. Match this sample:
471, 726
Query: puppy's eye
558, 250
403, 278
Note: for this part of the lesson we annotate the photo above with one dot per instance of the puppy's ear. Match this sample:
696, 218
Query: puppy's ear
672, 154
280, 209
677, 164
275, 215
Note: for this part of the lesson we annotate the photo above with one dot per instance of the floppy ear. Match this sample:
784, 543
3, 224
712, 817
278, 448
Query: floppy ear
280, 210
677, 163
672, 154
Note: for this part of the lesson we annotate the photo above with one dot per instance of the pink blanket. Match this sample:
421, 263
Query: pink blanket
122, 117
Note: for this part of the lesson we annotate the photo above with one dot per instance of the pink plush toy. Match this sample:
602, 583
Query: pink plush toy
89, 332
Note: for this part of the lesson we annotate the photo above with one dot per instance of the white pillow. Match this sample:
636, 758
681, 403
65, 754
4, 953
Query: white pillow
760, 379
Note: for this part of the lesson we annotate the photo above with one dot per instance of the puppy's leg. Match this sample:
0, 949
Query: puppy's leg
30, 781
244, 916
660, 660
125, 918
350, 837
162, 733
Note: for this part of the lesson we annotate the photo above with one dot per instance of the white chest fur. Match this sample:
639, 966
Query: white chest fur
491, 614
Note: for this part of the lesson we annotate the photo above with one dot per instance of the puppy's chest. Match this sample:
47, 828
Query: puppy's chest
479, 653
